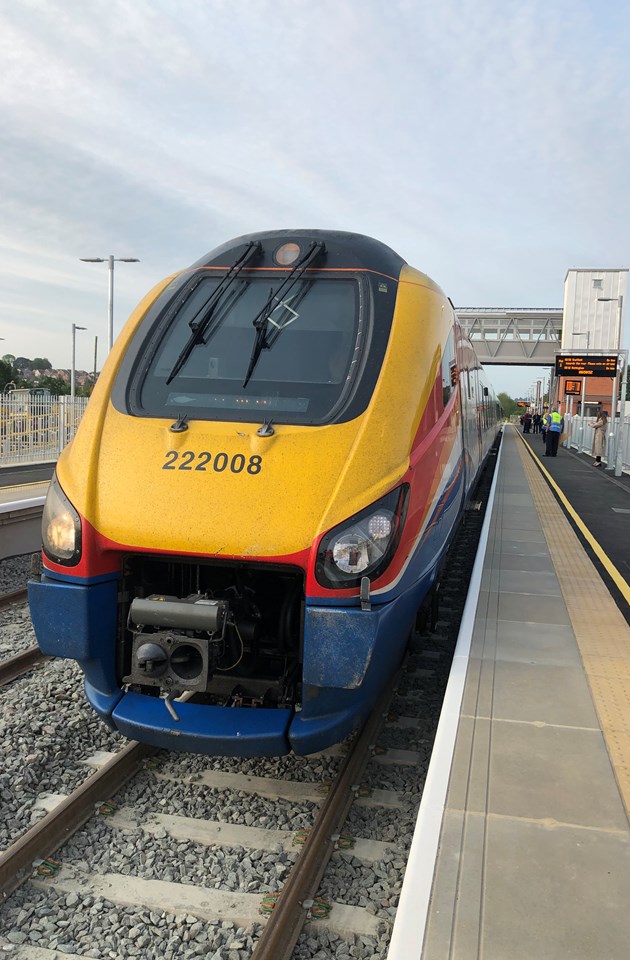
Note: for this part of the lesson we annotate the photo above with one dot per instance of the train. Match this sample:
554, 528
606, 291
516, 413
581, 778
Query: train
261, 493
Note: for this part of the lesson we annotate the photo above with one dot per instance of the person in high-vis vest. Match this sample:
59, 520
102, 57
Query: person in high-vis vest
544, 426
554, 429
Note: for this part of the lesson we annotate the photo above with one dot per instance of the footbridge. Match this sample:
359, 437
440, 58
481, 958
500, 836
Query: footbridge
522, 336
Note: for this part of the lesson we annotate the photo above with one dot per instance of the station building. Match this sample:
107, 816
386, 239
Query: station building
592, 325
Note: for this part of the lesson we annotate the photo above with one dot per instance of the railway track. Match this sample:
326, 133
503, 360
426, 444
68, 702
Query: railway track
13, 596
204, 856
15, 667
298, 904
11, 668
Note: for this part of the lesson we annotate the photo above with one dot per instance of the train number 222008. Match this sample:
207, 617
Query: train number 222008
204, 461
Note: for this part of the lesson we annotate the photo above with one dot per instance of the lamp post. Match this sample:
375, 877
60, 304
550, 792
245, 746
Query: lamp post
612, 446
622, 417
587, 334
111, 260
74, 343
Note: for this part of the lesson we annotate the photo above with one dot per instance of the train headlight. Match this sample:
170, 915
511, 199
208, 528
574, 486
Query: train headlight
61, 527
287, 254
364, 544
351, 553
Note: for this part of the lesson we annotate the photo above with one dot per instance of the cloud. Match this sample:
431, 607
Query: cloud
486, 142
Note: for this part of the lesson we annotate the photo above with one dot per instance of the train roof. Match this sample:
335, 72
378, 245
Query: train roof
343, 250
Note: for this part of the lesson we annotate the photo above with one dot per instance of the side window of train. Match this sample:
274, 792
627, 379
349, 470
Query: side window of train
449, 369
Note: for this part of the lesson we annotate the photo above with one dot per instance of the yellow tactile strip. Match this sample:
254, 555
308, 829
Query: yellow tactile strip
602, 634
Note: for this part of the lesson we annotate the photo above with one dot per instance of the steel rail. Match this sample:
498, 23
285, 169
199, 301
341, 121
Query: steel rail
16, 862
14, 596
283, 927
14, 667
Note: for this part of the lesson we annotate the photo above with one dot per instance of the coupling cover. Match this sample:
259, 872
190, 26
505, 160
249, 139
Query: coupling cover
170, 661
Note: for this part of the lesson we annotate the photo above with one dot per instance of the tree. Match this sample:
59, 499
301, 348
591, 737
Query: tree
6, 373
508, 405
41, 363
56, 385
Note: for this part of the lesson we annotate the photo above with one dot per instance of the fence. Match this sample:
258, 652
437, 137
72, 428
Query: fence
35, 429
580, 438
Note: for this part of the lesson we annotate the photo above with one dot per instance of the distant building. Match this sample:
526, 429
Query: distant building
592, 323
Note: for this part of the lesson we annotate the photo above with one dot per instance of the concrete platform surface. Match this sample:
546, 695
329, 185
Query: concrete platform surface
534, 851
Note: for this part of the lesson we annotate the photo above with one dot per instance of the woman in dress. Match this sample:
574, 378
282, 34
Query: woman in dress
599, 437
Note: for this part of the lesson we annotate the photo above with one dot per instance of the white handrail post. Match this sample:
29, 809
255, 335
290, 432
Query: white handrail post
61, 430
622, 413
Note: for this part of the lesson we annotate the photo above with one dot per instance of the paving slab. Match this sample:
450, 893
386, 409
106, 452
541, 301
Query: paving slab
529, 890
534, 852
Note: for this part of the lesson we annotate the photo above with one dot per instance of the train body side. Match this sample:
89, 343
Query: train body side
224, 539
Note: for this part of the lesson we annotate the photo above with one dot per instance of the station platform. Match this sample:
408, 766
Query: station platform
22, 495
26, 473
598, 497
526, 851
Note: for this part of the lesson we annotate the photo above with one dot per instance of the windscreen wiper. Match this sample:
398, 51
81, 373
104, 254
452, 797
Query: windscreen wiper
199, 324
261, 320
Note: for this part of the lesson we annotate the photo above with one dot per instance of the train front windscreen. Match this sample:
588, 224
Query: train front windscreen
292, 359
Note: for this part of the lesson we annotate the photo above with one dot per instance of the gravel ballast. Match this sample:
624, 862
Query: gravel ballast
15, 573
48, 729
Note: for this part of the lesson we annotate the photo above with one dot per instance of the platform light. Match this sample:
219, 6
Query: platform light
75, 327
111, 260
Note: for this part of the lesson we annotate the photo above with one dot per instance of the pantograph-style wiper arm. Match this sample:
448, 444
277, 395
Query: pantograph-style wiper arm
200, 326
262, 319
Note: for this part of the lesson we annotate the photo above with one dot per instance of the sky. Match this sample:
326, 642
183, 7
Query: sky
486, 141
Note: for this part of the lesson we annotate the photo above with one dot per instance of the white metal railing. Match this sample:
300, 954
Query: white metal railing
580, 438
36, 429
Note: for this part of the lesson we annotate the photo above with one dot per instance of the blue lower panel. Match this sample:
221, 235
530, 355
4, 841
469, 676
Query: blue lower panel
349, 657
220, 731
103, 703
73, 620
328, 716
78, 621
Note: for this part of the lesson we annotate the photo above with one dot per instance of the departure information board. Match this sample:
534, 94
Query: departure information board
573, 387
581, 365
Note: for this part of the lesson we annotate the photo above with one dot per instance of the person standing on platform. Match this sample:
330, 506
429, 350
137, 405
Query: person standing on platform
554, 429
599, 436
544, 426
